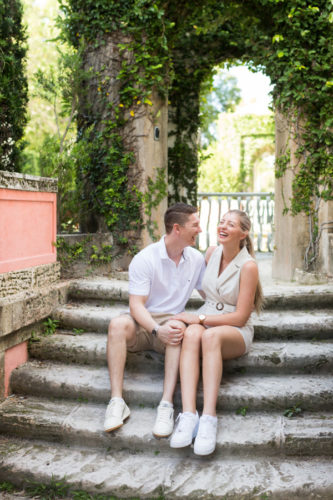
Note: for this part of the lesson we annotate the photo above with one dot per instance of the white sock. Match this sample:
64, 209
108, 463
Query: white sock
166, 403
209, 417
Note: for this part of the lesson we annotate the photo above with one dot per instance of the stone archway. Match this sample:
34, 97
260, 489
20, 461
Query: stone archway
196, 36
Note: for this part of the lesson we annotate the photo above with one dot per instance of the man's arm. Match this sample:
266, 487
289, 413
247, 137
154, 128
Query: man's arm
170, 333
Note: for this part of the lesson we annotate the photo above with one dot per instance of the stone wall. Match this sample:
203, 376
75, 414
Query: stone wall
29, 274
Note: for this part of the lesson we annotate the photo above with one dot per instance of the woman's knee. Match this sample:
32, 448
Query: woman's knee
212, 339
193, 334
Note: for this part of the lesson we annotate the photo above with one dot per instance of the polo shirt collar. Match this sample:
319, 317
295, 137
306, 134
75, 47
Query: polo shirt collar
164, 253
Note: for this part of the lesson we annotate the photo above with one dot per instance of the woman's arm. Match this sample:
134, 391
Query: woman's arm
245, 303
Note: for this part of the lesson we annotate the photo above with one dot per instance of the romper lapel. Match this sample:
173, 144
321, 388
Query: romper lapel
233, 267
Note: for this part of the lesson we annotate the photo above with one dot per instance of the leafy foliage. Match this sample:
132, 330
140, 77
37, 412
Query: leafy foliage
13, 83
239, 146
298, 52
136, 49
219, 93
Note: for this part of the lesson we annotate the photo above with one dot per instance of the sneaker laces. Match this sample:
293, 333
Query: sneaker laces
182, 422
112, 406
206, 429
163, 413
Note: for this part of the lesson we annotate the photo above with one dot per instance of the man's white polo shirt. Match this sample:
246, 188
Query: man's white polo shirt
152, 273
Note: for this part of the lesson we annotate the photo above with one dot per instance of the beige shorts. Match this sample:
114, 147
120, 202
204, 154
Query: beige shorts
145, 341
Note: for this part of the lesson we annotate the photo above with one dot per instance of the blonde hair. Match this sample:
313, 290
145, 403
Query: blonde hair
245, 224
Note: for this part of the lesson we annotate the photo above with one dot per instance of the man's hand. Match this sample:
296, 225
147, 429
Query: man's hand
172, 332
188, 318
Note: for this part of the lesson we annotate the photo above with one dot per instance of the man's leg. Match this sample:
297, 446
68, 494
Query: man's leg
122, 332
171, 367
164, 422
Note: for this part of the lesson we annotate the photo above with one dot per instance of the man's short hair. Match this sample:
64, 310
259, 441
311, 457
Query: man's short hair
178, 214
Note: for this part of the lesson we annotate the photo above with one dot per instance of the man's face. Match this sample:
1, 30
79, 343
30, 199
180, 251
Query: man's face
190, 230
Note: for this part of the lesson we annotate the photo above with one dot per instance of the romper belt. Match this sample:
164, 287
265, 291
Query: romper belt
220, 306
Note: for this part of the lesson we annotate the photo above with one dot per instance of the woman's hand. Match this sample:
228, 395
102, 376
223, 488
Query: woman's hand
188, 318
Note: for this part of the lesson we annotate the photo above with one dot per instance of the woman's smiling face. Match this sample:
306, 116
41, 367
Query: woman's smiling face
229, 228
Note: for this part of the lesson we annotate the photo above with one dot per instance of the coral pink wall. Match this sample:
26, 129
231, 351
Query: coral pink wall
27, 229
14, 357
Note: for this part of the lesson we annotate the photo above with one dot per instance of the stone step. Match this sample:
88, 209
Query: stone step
257, 392
317, 324
278, 357
81, 424
137, 475
276, 297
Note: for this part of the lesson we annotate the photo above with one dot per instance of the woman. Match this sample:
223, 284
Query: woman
220, 330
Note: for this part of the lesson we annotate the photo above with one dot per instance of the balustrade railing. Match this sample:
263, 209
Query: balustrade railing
259, 207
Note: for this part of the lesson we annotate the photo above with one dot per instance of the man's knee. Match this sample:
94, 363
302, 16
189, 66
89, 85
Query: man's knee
121, 327
175, 323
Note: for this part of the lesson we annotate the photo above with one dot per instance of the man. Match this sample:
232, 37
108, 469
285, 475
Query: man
161, 279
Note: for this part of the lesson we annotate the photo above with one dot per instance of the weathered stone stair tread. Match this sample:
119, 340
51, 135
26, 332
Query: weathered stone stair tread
89, 348
276, 296
258, 392
149, 476
82, 424
270, 324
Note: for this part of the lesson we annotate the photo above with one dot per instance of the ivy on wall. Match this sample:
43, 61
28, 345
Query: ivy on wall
13, 83
135, 49
298, 55
126, 59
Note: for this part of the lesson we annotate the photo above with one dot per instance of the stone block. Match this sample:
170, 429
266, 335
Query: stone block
26, 182
27, 279
24, 309
75, 253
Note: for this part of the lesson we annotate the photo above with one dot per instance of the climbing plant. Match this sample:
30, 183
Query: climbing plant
298, 56
126, 59
13, 83
138, 49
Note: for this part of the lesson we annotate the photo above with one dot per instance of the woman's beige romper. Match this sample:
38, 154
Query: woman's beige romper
222, 291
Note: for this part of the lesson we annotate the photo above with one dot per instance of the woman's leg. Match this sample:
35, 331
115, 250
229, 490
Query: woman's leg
218, 344
190, 366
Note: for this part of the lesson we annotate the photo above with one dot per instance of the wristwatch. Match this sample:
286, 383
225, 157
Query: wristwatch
202, 318
155, 330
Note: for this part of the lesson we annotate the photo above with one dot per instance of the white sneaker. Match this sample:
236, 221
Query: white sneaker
164, 420
116, 412
205, 442
186, 429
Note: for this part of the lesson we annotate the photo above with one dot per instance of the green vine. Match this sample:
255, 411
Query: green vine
156, 192
110, 197
139, 49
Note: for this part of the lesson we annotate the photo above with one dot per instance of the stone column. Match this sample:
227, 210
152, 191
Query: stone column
144, 132
326, 241
151, 154
291, 232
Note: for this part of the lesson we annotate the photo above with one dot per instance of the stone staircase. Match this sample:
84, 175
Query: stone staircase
52, 426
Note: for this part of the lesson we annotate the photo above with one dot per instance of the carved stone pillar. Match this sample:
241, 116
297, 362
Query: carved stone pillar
291, 232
